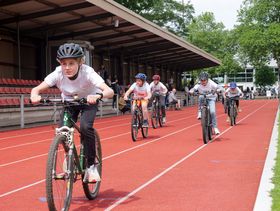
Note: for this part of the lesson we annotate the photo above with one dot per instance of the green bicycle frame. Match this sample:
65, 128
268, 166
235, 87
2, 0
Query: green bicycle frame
67, 121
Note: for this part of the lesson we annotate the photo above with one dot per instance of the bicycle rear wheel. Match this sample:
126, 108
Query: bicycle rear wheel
160, 117
59, 174
134, 126
225, 106
91, 190
154, 117
204, 124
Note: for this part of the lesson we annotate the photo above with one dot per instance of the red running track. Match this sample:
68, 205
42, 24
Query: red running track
170, 170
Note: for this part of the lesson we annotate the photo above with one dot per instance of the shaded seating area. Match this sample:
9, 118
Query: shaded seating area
12, 89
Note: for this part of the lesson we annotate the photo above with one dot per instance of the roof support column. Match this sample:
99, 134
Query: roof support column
19, 51
122, 77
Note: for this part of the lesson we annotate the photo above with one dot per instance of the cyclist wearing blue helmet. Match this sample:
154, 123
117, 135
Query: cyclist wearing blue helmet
141, 90
234, 91
207, 85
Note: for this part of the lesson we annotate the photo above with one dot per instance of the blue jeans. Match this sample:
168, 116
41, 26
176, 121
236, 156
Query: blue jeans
212, 107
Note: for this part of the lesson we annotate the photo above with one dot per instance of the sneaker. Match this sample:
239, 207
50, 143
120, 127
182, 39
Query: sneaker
145, 123
91, 175
228, 119
199, 115
163, 120
135, 124
216, 130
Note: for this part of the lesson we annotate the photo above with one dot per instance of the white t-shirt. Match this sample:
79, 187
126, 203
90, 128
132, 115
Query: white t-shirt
233, 92
87, 82
141, 91
158, 88
210, 86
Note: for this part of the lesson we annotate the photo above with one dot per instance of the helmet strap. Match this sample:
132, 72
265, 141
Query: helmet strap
76, 75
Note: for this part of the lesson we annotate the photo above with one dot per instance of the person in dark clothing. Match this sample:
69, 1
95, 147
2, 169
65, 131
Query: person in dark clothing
116, 88
103, 73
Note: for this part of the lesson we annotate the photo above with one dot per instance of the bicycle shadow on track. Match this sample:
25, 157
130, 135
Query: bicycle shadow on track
105, 199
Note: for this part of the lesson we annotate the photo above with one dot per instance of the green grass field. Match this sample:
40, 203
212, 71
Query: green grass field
275, 193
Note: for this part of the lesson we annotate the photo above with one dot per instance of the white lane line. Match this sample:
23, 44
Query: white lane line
22, 188
29, 134
20, 145
105, 158
113, 155
47, 131
264, 199
118, 153
118, 202
35, 142
41, 181
149, 142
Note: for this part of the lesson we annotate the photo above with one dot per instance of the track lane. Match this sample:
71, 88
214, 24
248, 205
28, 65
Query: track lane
197, 141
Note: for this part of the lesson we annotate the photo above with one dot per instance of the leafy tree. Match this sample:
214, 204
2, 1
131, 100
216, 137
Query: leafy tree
265, 76
212, 37
169, 14
259, 31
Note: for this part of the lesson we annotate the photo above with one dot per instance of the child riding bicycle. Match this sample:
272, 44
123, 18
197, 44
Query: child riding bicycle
233, 91
157, 88
206, 85
75, 79
142, 91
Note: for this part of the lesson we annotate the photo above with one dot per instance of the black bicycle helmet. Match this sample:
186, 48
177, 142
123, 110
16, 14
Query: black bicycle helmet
203, 76
69, 50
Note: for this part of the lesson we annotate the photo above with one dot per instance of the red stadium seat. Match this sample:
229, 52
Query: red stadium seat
10, 82
18, 90
2, 90
5, 81
1, 81
3, 102
14, 81
26, 101
16, 101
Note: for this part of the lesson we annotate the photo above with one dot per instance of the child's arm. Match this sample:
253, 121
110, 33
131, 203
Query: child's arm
35, 92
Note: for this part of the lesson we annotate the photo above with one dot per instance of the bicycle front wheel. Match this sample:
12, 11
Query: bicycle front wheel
231, 113
59, 174
134, 127
91, 190
160, 117
204, 124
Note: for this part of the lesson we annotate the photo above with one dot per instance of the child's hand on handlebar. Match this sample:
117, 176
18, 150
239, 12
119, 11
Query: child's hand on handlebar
35, 98
93, 99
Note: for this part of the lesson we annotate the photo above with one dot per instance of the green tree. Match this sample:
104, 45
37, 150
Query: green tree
259, 31
212, 37
169, 14
265, 76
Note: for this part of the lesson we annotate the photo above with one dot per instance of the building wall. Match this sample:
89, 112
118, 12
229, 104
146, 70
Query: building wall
9, 63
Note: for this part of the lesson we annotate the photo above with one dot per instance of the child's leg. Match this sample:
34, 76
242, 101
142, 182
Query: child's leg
145, 109
212, 107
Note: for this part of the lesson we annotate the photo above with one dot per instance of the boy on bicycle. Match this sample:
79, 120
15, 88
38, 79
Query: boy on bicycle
233, 91
157, 88
142, 91
206, 85
75, 79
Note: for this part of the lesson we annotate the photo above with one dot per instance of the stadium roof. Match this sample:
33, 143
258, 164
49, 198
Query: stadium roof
109, 27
